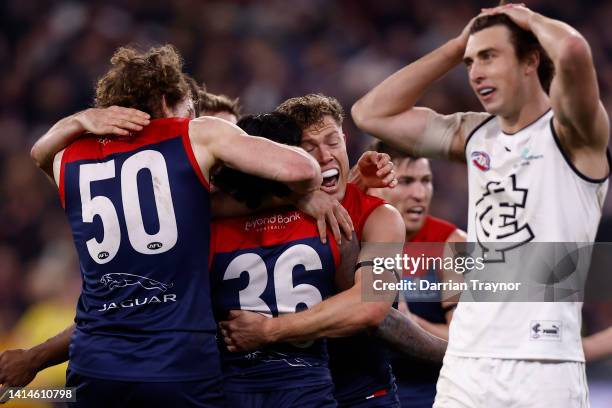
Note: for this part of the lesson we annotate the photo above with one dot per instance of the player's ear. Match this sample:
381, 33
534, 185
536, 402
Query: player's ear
532, 62
167, 112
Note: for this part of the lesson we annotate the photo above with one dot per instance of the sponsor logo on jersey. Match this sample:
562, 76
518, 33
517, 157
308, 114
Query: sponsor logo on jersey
121, 280
273, 222
526, 157
138, 302
481, 160
549, 330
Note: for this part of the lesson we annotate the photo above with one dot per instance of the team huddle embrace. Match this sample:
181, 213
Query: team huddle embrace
232, 261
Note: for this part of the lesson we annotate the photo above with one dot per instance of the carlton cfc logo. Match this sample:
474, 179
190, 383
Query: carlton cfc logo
481, 160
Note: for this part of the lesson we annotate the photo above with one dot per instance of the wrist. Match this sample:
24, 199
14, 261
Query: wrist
271, 330
456, 48
76, 124
36, 358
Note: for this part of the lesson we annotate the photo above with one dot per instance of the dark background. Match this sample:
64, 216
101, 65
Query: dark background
261, 51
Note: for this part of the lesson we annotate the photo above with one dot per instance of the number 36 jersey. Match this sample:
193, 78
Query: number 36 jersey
139, 212
272, 263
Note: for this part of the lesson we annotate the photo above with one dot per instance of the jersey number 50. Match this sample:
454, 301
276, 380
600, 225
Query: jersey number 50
143, 242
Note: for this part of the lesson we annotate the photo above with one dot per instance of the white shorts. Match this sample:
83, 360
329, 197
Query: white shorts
467, 382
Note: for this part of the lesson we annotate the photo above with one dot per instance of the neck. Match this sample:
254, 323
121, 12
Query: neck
528, 113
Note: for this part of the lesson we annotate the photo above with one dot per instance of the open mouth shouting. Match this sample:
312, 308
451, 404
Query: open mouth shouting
330, 180
415, 213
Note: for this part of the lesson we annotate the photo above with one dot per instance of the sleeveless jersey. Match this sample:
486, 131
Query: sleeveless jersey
272, 263
523, 188
425, 304
139, 212
359, 364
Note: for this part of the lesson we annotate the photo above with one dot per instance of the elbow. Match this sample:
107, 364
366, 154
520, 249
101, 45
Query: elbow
375, 313
359, 115
36, 156
305, 177
575, 53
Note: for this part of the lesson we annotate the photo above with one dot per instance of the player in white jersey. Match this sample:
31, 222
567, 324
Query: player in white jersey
537, 170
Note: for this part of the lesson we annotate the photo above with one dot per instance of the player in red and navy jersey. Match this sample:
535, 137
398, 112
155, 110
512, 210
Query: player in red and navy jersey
139, 211
273, 263
431, 309
346, 313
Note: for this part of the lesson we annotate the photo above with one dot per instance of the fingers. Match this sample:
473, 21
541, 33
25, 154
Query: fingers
385, 170
390, 180
120, 121
345, 221
382, 159
333, 222
322, 228
130, 112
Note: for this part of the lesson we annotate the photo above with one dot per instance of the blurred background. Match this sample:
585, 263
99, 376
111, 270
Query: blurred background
261, 51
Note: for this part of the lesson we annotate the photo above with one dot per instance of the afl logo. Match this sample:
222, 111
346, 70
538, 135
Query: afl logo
155, 245
103, 255
481, 160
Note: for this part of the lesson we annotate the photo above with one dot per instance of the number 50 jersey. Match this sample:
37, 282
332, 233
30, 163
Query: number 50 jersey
139, 212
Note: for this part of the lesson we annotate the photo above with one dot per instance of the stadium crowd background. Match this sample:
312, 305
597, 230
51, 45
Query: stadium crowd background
261, 51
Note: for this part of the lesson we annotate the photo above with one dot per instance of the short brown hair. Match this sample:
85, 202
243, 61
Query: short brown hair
209, 102
139, 80
311, 109
524, 43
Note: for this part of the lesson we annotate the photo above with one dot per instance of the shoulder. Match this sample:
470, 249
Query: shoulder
384, 224
359, 205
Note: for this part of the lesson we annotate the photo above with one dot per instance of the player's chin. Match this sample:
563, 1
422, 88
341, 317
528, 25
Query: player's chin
413, 222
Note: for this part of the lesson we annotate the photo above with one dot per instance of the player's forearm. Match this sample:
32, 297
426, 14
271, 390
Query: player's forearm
563, 44
407, 337
339, 316
400, 91
302, 174
437, 329
57, 138
598, 345
53, 351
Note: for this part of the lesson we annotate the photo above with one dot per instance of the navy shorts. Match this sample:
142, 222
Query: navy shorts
416, 395
100, 393
318, 396
379, 399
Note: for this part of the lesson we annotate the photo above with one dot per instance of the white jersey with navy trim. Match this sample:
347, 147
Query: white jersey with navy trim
523, 188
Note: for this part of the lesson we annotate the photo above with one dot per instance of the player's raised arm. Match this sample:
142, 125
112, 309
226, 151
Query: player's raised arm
215, 140
113, 120
388, 111
580, 118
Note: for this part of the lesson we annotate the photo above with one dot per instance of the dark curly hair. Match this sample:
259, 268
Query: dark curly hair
250, 189
311, 109
140, 79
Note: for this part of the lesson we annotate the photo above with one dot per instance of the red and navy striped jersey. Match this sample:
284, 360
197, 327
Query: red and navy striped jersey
139, 212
